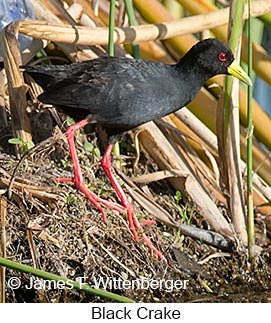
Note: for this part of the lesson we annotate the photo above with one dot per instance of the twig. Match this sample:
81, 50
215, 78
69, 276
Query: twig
3, 215
135, 34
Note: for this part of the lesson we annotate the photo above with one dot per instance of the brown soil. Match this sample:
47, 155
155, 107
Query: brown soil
54, 228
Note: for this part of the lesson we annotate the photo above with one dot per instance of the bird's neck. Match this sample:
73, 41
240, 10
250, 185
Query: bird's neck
189, 67
192, 79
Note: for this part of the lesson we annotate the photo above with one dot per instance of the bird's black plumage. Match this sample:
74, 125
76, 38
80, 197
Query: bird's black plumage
122, 93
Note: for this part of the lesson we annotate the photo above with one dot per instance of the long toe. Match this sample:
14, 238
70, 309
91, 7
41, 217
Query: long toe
64, 179
152, 247
111, 205
131, 216
148, 242
92, 197
96, 200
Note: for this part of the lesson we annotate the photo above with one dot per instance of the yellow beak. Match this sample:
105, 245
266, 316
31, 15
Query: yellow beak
236, 70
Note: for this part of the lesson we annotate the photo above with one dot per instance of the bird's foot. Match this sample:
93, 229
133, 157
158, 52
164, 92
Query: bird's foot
136, 228
92, 197
95, 200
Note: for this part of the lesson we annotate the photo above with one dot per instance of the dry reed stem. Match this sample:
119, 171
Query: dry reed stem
204, 106
262, 190
3, 245
137, 34
166, 158
17, 90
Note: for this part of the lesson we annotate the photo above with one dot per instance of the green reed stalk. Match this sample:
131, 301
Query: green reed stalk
116, 148
230, 151
111, 28
132, 21
250, 211
63, 280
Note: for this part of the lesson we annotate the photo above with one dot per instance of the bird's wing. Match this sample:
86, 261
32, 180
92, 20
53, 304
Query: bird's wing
48, 75
110, 89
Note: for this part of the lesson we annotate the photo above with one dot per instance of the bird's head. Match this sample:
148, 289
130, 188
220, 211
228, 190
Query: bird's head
215, 58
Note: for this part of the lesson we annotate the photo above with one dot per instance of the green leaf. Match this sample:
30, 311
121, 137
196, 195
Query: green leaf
15, 141
178, 197
97, 152
30, 144
88, 146
70, 122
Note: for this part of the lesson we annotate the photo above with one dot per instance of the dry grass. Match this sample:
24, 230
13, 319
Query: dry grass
60, 232
54, 228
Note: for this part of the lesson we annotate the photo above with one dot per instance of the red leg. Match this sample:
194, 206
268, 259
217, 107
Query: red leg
93, 198
78, 178
107, 167
133, 221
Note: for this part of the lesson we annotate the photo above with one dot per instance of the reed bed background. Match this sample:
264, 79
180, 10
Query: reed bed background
187, 171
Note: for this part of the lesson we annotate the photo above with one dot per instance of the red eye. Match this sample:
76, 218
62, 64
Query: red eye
222, 57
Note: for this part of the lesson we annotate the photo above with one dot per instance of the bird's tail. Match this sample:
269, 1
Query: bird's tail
45, 80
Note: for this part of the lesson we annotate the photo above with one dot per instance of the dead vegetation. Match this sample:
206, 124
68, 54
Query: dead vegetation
52, 227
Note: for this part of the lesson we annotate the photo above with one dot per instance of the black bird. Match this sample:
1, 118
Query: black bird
121, 94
